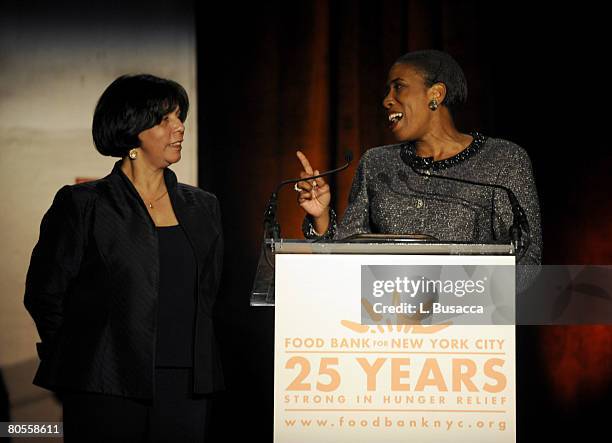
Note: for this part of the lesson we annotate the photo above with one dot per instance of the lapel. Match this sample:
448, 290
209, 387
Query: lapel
192, 214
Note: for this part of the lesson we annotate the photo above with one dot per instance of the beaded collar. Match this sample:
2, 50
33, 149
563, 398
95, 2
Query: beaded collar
409, 156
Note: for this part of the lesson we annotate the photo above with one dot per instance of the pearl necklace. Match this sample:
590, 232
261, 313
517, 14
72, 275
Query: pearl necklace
409, 156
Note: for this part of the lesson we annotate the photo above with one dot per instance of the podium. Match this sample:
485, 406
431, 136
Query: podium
345, 373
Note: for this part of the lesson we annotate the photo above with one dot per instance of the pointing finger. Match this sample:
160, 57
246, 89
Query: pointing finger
305, 162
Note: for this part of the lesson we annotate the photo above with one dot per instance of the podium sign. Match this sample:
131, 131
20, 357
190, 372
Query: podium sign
338, 379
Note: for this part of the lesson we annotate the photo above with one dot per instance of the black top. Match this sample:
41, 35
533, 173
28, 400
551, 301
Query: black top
176, 315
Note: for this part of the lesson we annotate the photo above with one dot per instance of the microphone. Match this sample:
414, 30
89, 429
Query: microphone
271, 225
519, 218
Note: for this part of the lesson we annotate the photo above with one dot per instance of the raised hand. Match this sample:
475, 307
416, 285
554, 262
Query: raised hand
314, 195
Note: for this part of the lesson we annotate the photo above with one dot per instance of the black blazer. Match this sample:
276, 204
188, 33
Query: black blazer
92, 286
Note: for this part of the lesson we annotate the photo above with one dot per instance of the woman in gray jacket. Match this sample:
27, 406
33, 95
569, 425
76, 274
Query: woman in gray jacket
394, 190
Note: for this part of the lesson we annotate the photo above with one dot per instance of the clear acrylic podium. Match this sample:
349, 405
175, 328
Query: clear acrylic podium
340, 379
262, 293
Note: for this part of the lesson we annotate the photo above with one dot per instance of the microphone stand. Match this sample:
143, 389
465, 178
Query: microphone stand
271, 225
262, 293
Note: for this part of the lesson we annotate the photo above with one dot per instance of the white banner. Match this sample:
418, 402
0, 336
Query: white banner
337, 380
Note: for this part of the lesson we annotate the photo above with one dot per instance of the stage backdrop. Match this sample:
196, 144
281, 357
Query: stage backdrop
277, 76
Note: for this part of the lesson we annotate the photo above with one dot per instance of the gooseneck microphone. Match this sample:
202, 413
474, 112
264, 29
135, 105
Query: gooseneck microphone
519, 218
271, 225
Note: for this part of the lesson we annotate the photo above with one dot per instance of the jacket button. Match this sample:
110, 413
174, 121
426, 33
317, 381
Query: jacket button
419, 203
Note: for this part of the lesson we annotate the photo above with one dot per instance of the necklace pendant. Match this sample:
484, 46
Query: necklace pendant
151, 205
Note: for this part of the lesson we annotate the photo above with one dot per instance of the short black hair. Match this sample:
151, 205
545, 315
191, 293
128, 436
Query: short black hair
130, 105
439, 67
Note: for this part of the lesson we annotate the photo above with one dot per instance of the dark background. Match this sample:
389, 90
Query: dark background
274, 77
277, 76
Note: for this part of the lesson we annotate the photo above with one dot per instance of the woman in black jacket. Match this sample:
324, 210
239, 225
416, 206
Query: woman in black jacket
123, 279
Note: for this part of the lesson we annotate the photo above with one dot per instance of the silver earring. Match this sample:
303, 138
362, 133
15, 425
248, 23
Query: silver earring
433, 105
133, 153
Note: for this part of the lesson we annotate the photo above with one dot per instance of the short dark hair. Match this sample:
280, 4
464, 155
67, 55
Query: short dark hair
130, 105
439, 67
